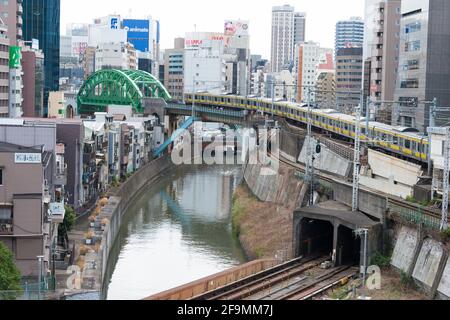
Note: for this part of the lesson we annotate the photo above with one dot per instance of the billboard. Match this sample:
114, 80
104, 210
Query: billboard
138, 33
15, 55
236, 28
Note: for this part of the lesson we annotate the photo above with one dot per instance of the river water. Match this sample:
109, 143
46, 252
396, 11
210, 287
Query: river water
177, 231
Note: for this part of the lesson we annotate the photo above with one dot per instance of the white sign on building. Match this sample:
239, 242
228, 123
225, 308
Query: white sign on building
27, 158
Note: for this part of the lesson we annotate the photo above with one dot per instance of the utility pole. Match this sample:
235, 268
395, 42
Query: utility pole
310, 153
273, 98
432, 124
364, 235
444, 222
368, 135
357, 160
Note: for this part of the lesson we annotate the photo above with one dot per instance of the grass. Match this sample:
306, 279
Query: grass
380, 260
237, 213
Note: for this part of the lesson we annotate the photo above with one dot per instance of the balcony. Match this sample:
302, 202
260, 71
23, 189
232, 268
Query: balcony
6, 227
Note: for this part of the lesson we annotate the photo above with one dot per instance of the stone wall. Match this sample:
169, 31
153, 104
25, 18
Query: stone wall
425, 260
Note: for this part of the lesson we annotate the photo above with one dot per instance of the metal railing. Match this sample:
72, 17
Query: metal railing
32, 291
416, 216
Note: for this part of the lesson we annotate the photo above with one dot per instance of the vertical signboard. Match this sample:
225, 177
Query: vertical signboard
15, 56
138, 33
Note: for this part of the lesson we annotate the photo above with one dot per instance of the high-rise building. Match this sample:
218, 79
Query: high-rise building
349, 77
381, 51
4, 71
349, 33
299, 27
33, 82
424, 72
310, 60
42, 22
282, 37
11, 13
174, 69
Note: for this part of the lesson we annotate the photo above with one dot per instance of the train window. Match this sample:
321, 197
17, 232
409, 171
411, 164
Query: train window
395, 140
407, 144
414, 145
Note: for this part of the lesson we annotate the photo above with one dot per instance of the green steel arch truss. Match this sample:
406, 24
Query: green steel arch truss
119, 87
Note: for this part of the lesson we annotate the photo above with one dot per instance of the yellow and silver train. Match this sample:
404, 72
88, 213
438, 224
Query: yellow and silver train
405, 142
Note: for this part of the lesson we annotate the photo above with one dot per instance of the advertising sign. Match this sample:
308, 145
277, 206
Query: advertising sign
138, 33
14, 57
236, 28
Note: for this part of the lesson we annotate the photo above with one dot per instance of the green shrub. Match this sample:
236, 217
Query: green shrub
10, 288
380, 260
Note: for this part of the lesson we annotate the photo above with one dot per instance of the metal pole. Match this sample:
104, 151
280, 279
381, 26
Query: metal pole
357, 160
368, 135
40, 259
444, 222
309, 155
273, 97
432, 124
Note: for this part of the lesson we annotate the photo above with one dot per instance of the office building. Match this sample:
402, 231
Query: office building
288, 29
33, 82
310, 60
381, 53
349, 79
4, 71
174, 69
42, 22
424, 72
11, 12
349, 33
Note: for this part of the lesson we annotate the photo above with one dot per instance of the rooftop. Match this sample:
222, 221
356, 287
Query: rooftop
9, 147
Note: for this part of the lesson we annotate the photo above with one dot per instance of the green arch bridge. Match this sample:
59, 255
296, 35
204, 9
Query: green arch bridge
119, 87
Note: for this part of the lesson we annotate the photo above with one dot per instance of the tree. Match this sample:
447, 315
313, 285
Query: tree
69, 221
9, 275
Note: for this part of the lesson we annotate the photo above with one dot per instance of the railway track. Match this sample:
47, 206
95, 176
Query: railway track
245, 288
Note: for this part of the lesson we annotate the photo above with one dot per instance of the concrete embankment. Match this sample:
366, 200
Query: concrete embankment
423, 259
95, 261
263, 211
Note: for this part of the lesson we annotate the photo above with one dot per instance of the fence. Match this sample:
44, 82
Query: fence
32, 291
416, 216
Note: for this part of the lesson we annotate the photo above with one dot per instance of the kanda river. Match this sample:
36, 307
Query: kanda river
177, 231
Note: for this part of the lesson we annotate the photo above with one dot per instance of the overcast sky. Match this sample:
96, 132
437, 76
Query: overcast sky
180, 16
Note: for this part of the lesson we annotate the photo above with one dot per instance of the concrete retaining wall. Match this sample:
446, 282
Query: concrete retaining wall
405, 249
284, 189
214, 282
425, 259
328, 161
427, 265
118, 205
444, 285
369, 203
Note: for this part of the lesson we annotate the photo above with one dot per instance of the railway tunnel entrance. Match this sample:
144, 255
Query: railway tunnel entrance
329, 229
316, 237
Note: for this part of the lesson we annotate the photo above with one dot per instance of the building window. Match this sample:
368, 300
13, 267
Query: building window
412, 46
409, 84
411, 65
413, 27
1, 176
